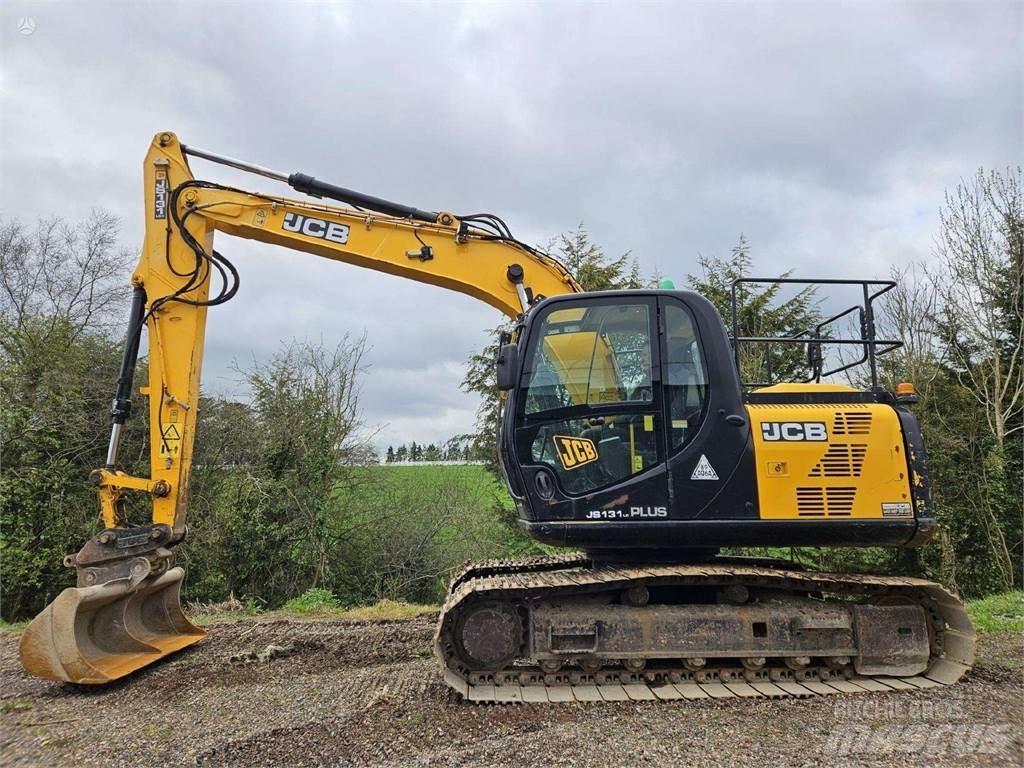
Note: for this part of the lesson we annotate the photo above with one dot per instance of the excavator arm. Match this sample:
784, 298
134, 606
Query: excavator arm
125, 612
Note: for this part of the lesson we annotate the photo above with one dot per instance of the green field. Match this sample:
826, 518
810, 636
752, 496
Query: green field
461, 503
430, 476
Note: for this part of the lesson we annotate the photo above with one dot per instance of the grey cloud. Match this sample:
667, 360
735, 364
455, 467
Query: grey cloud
825, 132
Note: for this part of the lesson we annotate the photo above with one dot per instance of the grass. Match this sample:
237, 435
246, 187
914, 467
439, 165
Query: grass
998, 613
316, 607
321, 602
312, 601
387, 609
12, 626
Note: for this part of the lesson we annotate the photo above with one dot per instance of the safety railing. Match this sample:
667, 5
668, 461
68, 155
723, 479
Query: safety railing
821, 334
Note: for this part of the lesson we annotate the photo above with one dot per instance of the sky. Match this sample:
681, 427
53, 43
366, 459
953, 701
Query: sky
826, 133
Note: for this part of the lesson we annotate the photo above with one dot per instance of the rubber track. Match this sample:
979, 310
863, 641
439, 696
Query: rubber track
536, 578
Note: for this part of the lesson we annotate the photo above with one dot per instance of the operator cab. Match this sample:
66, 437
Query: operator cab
624, 422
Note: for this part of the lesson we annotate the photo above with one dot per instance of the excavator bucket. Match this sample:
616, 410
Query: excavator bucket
93, 635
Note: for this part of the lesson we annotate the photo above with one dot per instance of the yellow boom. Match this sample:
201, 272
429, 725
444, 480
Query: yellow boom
125, 612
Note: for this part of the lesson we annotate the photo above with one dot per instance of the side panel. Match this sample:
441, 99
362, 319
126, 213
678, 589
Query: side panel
830, 461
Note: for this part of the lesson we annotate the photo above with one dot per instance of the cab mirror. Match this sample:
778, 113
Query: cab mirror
508, 366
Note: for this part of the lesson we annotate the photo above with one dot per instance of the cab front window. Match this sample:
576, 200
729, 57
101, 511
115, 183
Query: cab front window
589, 399
594, 356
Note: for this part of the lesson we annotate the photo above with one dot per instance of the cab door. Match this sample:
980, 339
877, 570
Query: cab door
707, 430
590, 435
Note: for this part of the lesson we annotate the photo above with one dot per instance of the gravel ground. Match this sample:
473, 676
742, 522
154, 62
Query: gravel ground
369, 694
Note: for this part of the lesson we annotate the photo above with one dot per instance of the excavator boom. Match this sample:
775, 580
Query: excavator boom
125, 611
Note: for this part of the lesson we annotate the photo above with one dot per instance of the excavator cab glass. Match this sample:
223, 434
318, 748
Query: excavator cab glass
589, 395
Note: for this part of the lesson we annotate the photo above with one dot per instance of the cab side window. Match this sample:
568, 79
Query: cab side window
686, 388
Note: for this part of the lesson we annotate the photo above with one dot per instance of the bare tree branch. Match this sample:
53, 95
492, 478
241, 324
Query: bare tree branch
981, 289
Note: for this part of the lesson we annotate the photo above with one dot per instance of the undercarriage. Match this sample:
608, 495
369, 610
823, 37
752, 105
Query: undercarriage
565, 628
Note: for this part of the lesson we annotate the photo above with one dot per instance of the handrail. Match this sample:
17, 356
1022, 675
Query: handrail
873, 347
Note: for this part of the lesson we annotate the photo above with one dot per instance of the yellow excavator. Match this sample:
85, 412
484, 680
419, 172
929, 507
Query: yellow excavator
626, 433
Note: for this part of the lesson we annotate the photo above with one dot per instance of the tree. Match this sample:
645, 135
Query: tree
63, 288
761, 312
980, 326
406, 537
982, 290
70, 276
594, 271
909, 313
270, 526
391, 455
592, 268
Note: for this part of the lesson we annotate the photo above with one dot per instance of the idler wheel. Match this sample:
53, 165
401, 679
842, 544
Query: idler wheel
490, 636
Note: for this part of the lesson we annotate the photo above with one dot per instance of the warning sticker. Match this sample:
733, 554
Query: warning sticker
171, 438
704, 470
897, 509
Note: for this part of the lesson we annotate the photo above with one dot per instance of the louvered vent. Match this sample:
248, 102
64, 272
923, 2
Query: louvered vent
825, 502
841, 460
852, 423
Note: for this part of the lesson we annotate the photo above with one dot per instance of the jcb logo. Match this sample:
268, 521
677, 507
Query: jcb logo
307, 225
574, 452
794, 431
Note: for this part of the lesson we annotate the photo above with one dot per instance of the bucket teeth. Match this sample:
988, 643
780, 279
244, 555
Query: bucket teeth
97, 634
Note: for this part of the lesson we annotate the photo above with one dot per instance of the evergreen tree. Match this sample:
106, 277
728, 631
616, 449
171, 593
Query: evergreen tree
760, 313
